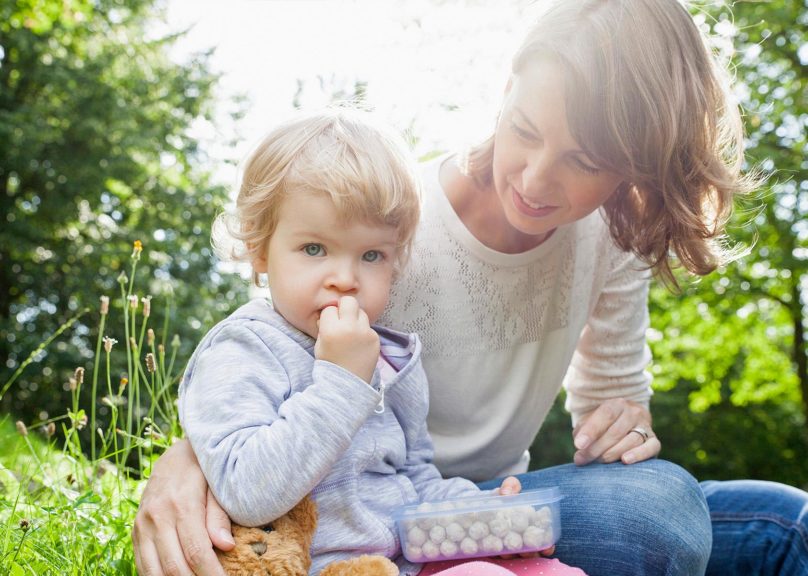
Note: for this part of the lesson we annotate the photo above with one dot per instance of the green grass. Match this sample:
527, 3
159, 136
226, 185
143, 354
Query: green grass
60, 514
67, 505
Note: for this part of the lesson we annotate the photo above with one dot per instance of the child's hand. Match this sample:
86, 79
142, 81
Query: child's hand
509, 486
345, 338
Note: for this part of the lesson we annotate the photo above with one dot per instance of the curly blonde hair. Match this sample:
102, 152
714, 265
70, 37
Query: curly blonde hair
647, 99
363, 167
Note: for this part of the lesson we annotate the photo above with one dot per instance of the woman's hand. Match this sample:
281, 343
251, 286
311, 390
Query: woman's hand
618, 429
179, 521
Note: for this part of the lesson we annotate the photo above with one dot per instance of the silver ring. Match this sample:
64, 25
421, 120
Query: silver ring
641, 431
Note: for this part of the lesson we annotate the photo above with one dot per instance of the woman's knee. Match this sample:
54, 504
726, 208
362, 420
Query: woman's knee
653, 510
672, 510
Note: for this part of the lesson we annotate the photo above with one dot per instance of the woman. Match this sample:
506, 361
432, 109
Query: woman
616, 149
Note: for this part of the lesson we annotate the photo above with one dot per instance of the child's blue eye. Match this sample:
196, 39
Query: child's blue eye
372, 256
313, 249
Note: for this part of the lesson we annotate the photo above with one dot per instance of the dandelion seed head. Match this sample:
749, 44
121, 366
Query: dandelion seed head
150, 367
146, 300
108, 343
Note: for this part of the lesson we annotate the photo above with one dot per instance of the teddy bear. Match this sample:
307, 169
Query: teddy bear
282, 549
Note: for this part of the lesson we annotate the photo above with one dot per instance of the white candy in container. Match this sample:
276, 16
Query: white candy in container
485, 525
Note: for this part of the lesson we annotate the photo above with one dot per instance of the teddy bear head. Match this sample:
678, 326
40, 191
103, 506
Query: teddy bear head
280, 548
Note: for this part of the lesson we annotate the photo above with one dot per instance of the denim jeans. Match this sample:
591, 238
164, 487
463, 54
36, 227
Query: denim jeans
652, 518
759, 528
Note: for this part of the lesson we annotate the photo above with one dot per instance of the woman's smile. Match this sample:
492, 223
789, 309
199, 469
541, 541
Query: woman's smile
531, 208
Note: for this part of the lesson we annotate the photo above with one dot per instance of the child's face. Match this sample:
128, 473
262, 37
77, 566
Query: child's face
314, 258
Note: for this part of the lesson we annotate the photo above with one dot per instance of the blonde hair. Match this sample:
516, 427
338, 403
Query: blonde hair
342, 153
648, 100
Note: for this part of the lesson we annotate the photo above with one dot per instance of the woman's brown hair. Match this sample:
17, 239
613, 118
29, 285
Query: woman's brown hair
648, 100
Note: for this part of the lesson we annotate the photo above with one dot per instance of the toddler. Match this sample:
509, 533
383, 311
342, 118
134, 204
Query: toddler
303, 394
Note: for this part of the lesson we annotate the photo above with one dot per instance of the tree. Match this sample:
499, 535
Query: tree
95, 153
733, 346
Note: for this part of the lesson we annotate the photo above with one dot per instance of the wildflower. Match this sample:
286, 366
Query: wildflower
79, 420
21, 428
137, 248
72, 384
132, 301
108, 343
79, 375
161, 350
175, 342
122, 278
50, 429
146, 300
133, 343
25, 525
150, 363
150, 336
124, 382
104, 305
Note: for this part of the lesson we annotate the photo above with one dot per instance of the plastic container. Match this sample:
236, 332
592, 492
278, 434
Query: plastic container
476, 526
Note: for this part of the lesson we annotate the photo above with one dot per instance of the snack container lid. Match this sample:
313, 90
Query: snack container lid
481, 525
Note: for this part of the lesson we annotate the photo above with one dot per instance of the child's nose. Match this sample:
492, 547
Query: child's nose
343, 277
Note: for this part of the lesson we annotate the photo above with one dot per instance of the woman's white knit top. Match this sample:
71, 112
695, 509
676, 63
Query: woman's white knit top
501, 331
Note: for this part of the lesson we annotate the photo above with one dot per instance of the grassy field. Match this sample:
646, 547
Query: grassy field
60, 513
68, 497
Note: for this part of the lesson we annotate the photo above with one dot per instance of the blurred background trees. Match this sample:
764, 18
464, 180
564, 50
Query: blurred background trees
95, 153
97, 149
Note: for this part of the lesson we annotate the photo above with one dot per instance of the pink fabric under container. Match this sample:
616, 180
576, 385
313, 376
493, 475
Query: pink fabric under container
497, 567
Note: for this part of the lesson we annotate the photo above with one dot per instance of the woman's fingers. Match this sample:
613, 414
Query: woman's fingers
645, 451
606, 434
218, 525
169, 533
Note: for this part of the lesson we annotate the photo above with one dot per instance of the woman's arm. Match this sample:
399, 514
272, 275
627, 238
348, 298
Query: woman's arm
608, 386
179, 522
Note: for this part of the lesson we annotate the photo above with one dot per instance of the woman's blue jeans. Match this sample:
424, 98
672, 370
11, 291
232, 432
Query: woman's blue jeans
652, 518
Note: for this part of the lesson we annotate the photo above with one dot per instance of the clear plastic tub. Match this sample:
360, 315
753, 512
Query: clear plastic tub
485, 525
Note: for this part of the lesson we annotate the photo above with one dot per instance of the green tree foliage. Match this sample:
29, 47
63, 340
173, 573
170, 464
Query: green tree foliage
730, 352
95, 153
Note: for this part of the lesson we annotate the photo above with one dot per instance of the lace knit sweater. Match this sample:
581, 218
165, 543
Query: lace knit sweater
501, 331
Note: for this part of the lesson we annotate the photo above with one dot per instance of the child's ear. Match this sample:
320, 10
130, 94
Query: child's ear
259, 265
